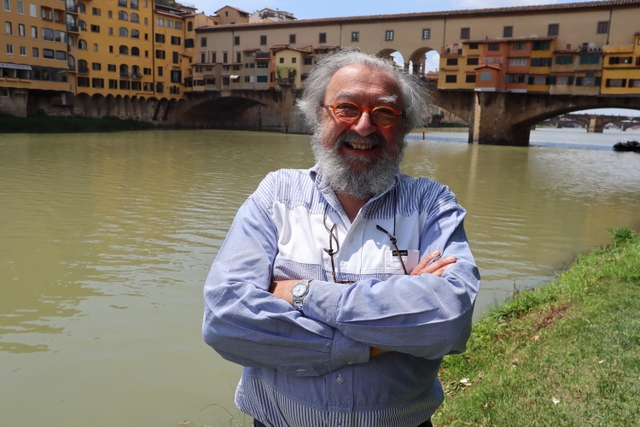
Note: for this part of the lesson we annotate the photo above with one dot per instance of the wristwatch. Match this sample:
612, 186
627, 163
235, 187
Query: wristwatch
298, 292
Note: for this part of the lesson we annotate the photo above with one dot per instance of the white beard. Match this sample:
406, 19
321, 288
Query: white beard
358, 176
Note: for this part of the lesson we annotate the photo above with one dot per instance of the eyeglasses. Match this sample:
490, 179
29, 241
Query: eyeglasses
349, 112
332, 252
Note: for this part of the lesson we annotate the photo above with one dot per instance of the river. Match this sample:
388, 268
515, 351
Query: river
106, 240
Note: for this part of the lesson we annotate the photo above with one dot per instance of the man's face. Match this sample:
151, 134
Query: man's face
362, 143
360, 159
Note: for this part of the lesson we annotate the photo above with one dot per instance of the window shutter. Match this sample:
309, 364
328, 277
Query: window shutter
578, 81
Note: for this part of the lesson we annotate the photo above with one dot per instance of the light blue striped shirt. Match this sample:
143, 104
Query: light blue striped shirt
312, 368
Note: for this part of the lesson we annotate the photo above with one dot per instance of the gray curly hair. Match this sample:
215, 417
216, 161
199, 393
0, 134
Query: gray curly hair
413, 94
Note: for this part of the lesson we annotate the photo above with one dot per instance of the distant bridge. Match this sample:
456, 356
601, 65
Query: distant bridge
593, 123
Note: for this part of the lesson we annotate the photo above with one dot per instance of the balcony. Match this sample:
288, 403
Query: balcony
124, 74
262, 55
135, 76
83, 70
284, 82
73, 29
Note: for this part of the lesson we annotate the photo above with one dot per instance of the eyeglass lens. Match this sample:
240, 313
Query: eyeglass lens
380, 116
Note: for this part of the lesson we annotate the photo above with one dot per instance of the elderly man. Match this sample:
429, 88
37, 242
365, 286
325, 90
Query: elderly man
340, 288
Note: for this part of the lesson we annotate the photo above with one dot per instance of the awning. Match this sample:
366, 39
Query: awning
15, 66
234, 76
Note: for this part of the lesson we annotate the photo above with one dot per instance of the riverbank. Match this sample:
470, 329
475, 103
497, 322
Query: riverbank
566, 354
51, 124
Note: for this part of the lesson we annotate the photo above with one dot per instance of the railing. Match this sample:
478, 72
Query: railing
262, 54
83, 70
136, 76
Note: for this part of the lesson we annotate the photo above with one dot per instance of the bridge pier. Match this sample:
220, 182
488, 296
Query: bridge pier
596, 125
489, 121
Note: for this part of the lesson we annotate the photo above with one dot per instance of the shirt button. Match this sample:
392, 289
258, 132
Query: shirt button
339, 380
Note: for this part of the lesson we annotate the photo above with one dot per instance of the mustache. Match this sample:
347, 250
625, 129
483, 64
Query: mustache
353, 137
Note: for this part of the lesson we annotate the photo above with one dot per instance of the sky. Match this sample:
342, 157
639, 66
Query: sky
314, 9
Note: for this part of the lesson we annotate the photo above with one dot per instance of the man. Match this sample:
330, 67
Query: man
340, 288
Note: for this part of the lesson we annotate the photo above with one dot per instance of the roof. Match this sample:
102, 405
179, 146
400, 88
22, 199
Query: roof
234, 8
487, 66
524, 10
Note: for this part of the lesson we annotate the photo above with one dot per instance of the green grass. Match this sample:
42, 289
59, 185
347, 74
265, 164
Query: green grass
49, 124
565, 354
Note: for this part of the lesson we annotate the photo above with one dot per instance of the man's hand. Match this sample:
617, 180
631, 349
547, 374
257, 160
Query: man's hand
436, 267
281, 289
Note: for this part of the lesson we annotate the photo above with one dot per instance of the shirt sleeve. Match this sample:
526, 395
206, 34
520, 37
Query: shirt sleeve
425, 316
248, 325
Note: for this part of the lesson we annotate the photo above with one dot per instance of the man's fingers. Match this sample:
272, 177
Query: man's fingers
423, 264
438, 267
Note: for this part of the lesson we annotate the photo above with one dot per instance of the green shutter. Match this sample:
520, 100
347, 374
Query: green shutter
531, 80
578, 81
598, 81
570, 82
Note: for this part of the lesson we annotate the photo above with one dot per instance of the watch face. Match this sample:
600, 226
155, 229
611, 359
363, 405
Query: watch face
299, 289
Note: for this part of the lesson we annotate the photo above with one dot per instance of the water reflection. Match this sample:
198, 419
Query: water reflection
107, 238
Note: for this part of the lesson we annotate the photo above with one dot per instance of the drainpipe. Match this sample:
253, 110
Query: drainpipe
609, 26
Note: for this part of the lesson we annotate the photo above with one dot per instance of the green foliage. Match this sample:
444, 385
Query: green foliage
565, 354
41, 123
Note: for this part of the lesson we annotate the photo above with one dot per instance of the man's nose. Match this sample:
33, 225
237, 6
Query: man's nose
364, 126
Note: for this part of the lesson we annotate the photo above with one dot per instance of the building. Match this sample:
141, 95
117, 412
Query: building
270, 15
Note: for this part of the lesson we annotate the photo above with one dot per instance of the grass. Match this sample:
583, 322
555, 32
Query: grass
566, 354
49, 124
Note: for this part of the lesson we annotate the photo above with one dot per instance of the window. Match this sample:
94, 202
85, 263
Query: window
146, 71
465, 33
35, 52
61, 55
134, 17
189, 43
588, 81
176, 58
388, 35
589, 59
20, 7
135, 34
507, 31
23, 51
7, 28
308, 60
95, 11
520, 46
472, 61
634, 82
426, 33
169, 23
111, 68
452, 61
34, 32
620, 60
190, 26
292, 39
322, 37
518, 62
176, 76
262, 64
470, 78
494, 46
83, 81
562, 80
95, 47
564, 60
603, 27
160, 38
96, 66
21, 31
473, 46
236, 40
135, 51
133, 4
113, 84
238, 57
203, 41
82, 25
554, 30
160, 71
97, 83
110, 49
616, 83
82, 44
48, 53
160, 22
160, 54
124, 50
262, 79
539, 81
263, 40
95, 28
355, 36
541, 62
486, 76
33, 11
451, 78
178, 25
7, 5
123, 32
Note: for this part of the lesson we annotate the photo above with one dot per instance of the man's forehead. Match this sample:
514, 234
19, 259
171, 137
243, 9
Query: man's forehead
356, 80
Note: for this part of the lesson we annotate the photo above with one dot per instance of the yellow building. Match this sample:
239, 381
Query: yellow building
113, 48
33, 56
621, 69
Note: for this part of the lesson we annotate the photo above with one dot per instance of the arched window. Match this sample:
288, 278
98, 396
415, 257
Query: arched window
159, 88
135, 51
82, 44
82, 8
72, 63
123, 32
122, 15
82, 25
135, 72
135, 34
190, 26
83, 67
135, 17
124, 50
124, 70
